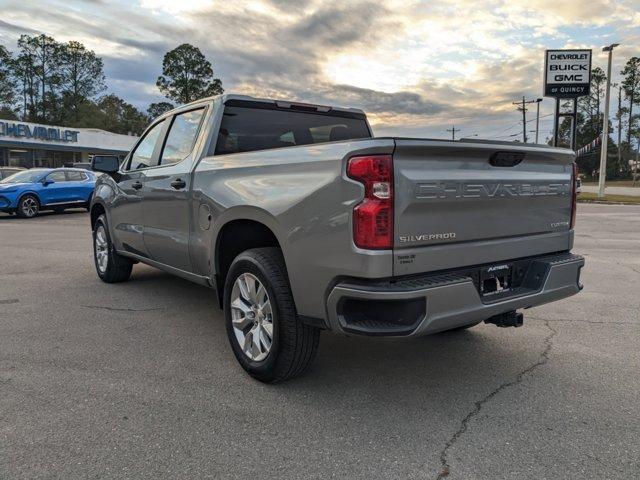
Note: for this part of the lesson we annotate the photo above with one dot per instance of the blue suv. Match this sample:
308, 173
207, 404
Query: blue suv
30, 191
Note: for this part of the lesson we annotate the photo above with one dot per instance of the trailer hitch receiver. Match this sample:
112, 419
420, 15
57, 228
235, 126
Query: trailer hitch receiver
508, 319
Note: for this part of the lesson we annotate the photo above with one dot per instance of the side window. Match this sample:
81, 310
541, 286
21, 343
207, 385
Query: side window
74, 176
182, 136
142, 156
288, 138
57, 177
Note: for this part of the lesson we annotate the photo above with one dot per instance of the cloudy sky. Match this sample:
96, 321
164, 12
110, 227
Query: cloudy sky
417, 67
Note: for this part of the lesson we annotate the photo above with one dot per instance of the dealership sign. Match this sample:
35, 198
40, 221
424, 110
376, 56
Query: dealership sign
22, 130
567, 73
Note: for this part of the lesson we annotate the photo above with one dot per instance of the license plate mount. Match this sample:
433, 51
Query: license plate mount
496, 279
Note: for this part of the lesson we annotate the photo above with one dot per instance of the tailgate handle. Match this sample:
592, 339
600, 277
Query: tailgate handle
506, 159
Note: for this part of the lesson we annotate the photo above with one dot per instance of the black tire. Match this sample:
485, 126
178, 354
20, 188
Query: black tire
118, 268
294, 344
28, 206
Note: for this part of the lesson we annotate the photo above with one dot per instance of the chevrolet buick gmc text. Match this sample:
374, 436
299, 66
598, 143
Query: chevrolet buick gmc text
300, 221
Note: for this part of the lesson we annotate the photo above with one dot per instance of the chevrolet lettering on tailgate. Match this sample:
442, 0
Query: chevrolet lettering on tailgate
452, 189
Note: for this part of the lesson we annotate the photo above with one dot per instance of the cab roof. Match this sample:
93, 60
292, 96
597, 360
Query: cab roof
225, 97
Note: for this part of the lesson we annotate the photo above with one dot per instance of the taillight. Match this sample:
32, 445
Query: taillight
574, 194
373, 217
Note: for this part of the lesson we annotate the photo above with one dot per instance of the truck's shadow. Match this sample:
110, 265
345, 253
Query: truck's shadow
384, 367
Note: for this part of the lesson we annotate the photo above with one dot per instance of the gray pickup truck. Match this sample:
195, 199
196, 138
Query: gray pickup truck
300, 220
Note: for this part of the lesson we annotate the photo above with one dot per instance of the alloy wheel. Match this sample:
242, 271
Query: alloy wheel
252, 317
29, 207
102, 249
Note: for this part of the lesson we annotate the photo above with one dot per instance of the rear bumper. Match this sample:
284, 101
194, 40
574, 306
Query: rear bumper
421, 305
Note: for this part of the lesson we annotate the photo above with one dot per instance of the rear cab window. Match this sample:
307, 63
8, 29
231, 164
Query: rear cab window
250, 126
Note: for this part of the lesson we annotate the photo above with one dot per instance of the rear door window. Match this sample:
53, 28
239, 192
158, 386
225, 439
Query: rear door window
246, 129
182, 136
57, 177
74, 176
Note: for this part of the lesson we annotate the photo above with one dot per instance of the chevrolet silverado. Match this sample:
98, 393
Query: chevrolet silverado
301, 221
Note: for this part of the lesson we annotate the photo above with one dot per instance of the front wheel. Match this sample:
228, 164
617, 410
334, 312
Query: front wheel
28, 207
111, 267
267, 338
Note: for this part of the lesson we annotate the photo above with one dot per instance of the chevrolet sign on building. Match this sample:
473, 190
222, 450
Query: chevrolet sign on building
24, 144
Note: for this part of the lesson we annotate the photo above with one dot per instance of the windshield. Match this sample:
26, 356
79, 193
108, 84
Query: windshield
28, 176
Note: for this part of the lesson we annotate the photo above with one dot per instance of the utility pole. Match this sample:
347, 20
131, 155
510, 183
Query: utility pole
635, 170
522, 108
453, 131
602, 174
637, 158
538, 100
619, 115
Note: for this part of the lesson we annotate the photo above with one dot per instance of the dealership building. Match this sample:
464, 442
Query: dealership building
29, 145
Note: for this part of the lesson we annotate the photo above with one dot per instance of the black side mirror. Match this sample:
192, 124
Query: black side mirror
108, 164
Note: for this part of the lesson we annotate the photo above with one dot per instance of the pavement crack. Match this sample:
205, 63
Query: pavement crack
604, 464
464, 424
628, 266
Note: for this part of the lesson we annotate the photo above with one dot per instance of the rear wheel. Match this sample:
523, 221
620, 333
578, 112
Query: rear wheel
267, 338
28, 207
111, 267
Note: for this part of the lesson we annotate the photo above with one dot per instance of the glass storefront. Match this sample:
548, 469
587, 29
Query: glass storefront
30, 158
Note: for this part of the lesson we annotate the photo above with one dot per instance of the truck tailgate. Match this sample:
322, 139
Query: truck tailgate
469, 203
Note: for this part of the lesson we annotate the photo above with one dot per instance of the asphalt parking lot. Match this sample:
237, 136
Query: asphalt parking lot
137, 380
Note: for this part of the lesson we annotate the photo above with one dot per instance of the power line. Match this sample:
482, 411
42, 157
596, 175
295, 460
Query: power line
516, 133
498, 134
513, 125
504, 130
